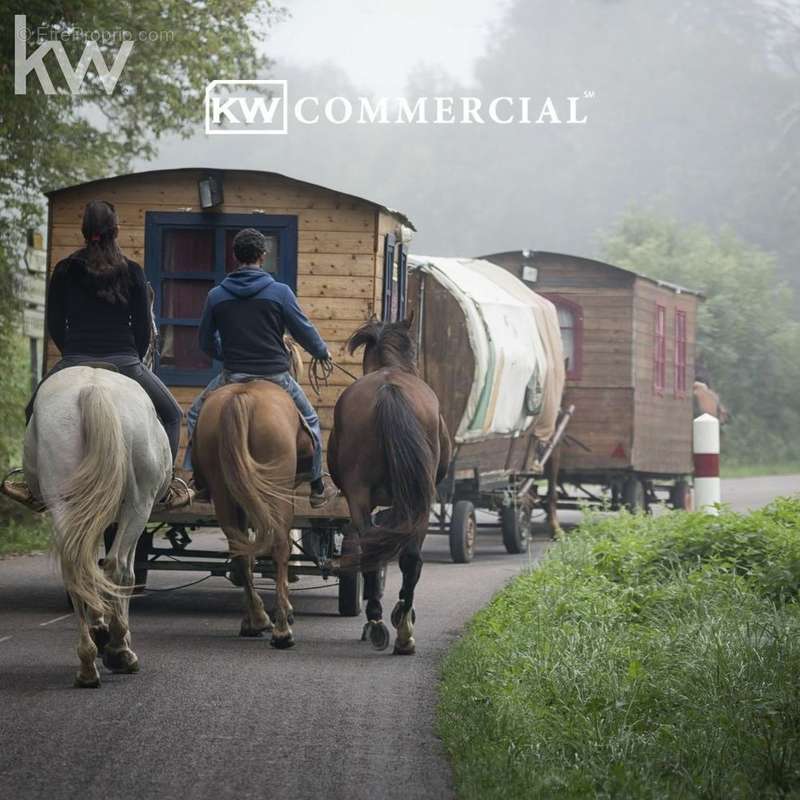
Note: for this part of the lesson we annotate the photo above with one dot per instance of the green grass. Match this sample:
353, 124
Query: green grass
645, 658
21, 531
754, 470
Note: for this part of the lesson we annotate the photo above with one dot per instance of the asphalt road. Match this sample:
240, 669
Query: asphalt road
215, 716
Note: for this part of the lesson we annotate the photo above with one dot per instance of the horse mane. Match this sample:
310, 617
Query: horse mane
392, 342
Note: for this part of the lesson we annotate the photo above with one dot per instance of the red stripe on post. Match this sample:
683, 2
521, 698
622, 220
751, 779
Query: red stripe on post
706, 465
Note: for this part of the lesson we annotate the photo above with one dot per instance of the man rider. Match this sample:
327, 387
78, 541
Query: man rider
243, 324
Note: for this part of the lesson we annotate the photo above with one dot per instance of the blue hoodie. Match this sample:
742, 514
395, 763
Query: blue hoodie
244, 321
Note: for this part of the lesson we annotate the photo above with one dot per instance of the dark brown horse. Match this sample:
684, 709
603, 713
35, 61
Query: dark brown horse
389, 447
248, 448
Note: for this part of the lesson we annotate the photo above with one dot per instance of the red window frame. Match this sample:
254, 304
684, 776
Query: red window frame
680, 352
660, 350
576, 367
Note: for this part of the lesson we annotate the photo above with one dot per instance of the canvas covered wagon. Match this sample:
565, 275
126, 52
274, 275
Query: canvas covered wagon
491, 350
629, 348
343, 255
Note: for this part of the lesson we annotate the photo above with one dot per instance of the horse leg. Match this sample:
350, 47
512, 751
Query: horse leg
403, 616
284, 614
88, 676
119, 567
552, 492
256, 620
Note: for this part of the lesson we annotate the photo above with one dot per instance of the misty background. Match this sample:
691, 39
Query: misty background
694, 118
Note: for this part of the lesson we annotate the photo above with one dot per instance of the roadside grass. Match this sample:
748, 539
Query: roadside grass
754, 470
645, 658
21, 531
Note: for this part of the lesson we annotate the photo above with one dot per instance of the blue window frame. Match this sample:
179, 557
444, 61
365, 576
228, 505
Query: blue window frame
186, 255
395, 271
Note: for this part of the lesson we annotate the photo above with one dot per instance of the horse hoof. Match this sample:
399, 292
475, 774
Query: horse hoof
407, 649
249, 632
379, 635
83, 683
282, 642
101, 637
397, 614
123, 662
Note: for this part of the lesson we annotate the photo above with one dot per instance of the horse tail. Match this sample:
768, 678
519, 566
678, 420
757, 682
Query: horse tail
92, 498
410, 468
249, 482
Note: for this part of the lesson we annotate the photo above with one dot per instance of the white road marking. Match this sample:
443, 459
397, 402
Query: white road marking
57, 619
4, 639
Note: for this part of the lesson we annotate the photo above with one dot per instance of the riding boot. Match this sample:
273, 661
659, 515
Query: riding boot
178, 495
322, 492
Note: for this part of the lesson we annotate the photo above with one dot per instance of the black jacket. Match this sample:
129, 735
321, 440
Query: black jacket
81, 323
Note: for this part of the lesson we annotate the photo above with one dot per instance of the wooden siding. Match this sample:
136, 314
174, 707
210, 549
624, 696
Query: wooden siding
340, 245
619, 416
662, 419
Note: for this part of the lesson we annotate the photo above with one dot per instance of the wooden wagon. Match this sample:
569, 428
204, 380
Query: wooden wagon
630, 346
343, 255
503, 409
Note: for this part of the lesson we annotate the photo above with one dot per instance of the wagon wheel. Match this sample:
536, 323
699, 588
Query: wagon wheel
351, 585
633, 495
680, 496
351, 590
515, 523
462, 532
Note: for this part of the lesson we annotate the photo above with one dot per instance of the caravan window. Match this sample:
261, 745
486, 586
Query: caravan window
570, 321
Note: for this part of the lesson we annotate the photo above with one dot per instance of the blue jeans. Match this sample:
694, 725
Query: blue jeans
286, 382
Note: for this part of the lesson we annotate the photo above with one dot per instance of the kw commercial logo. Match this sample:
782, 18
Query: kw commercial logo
247, 107
255, 107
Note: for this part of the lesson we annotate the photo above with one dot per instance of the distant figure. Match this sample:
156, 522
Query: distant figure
706, 401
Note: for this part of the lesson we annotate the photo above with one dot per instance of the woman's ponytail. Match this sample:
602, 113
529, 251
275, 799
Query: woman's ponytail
105, 264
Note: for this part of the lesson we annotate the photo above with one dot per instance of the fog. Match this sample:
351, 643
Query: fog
694, 115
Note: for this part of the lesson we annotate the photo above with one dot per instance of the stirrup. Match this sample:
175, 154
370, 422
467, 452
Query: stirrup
30, 501
166, 503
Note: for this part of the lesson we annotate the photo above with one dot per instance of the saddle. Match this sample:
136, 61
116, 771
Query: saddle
101, 365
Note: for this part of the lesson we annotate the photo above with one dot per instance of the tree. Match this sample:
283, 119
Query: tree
47, 140
747, 339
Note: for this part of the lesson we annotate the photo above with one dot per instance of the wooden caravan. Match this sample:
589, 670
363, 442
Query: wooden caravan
343, 255
629, 342
491, 350
331, 248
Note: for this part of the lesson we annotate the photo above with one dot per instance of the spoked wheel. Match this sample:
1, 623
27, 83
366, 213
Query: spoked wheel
351, 586
680, 496
515, 523
633, 495
351, 591
462, 532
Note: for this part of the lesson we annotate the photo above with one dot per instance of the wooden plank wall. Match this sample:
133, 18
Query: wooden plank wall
603, 393
662, 420
340, 246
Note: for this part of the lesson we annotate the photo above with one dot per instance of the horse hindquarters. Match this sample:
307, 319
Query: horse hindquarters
254, 487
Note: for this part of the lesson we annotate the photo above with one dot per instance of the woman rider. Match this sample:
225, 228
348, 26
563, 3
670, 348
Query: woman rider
98, 311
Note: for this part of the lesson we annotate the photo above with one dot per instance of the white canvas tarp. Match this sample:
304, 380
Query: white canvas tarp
514, 337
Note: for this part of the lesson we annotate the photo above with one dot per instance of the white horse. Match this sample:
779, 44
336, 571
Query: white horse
97, 455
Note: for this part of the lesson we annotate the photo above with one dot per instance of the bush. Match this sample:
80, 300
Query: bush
644, 658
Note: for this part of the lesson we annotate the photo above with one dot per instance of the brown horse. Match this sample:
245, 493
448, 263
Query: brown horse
389, 447
706, 401
249, 446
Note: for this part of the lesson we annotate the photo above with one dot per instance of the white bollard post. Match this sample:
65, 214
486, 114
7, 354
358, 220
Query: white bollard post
707, 490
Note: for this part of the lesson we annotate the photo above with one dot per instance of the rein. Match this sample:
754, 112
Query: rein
319, 373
